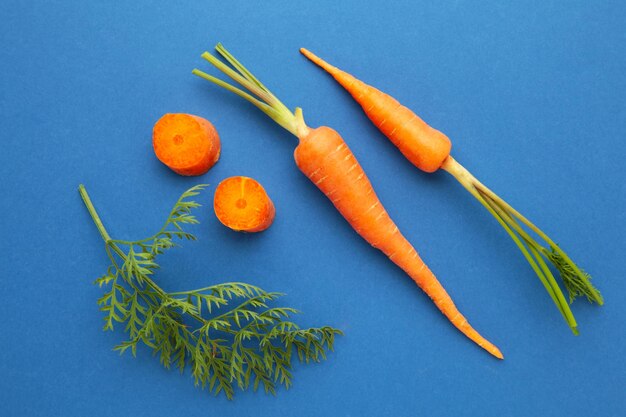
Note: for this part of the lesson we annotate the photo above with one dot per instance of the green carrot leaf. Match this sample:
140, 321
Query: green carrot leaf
227, 334
577, 282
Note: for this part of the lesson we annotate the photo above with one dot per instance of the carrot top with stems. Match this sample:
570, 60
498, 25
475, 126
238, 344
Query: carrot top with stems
577, 282
266, 101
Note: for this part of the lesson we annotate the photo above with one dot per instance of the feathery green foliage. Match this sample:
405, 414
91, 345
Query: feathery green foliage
226, 333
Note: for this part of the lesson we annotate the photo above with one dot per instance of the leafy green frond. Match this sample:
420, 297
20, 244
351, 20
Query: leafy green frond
577, 282
235, 339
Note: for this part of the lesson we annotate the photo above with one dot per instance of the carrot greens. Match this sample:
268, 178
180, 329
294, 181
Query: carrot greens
577, 282
226, 333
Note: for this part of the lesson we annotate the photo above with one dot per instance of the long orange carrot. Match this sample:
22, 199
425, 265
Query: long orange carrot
187, 144
326, 160
242, 204
428, 149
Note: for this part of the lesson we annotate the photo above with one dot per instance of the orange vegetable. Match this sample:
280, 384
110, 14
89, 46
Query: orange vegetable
326, 160
242, 204
187, 144
424, 146
428, 149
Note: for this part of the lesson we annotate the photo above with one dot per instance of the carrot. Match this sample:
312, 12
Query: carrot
429, 150
424, 146
187, 144
241, 204
323, 156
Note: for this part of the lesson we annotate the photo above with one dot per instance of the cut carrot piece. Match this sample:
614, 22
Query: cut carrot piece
187, 144
242, 204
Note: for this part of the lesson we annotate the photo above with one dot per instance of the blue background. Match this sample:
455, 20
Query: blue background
531, 93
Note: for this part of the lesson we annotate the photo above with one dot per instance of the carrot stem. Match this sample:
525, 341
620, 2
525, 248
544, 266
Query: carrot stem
240, 79
576, 281
529, 257
591, 292
258, 95
94, 214
546, 276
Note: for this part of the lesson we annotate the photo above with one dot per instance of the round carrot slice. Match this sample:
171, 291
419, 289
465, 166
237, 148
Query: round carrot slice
241, 203
187, 144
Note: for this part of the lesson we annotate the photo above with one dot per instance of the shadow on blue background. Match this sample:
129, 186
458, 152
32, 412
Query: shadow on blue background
531, 94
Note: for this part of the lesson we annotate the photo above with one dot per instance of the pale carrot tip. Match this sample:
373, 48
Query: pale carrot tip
497, 353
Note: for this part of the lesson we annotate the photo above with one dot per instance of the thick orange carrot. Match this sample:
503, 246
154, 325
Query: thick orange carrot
326, 160
429, 150
424, 146
241, 203
187, 144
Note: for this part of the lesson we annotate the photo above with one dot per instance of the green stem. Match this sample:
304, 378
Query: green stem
204, 289
240, 306
94, 214
589, 290
484, 189
256, 93
513, 236
506, 227
505, 215
151, 283
546, 278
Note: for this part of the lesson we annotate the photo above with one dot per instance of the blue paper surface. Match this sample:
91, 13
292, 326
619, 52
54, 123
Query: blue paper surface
531, 94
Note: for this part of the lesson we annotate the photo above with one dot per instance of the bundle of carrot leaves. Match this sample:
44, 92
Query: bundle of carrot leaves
250, 344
